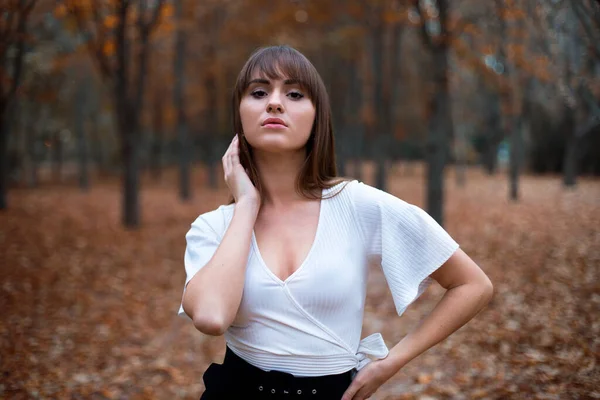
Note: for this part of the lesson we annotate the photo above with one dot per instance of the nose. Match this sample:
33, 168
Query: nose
274, 104
275, 108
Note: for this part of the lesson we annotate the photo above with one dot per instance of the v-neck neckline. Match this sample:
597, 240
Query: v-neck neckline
306, 258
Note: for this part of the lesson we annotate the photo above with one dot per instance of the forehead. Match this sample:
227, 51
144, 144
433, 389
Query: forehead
258, 77
278, 65
272, 73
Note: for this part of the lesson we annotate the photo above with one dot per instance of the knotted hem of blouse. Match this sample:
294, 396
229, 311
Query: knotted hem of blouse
370, 349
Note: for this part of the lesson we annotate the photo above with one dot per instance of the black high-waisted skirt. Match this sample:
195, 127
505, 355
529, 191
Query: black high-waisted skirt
236, 379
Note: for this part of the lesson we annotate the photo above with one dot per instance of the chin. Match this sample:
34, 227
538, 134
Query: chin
275, 143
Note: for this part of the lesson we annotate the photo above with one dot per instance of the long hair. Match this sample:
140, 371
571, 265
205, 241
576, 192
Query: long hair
319, 169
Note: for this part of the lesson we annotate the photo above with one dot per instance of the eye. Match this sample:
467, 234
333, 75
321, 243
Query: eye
258, 93
295, 95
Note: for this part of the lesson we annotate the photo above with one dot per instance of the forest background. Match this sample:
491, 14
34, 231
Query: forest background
114, 116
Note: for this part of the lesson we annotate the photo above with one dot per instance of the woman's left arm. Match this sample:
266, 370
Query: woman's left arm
468, 292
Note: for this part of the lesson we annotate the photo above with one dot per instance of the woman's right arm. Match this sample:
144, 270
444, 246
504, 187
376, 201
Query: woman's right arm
213, 295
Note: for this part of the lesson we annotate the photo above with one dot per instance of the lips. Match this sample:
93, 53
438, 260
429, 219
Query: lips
273, 121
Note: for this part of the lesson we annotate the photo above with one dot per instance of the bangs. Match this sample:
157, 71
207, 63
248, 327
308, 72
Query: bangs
281, 62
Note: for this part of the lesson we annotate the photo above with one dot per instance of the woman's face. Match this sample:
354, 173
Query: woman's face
276, 115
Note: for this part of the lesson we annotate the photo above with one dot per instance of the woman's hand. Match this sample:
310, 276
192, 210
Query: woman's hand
236, 178
369, 379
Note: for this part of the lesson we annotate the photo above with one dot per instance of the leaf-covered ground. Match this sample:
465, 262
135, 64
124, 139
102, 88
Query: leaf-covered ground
88, 309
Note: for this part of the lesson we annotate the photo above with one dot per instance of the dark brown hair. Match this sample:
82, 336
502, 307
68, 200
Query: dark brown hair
319, 170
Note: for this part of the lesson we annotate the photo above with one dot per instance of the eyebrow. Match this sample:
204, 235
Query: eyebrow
267, 82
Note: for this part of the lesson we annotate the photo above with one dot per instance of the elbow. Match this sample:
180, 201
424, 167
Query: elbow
206, 320
209, 325
487, 289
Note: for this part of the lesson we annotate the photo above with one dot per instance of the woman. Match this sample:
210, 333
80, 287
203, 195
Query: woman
281, 271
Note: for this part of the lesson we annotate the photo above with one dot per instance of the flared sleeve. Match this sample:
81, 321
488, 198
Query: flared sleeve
202, 241
407, 241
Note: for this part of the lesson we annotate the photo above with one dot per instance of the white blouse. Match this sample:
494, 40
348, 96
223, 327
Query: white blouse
310, 324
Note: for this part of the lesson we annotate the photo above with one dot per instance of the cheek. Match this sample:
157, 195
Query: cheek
307, 118
246, 114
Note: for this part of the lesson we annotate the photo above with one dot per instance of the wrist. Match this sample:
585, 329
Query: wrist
248, 205
393, 363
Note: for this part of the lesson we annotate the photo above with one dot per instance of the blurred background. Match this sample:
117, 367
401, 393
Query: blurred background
114, 116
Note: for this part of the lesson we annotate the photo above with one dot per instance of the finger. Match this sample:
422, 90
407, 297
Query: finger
350, 392
229, 161
362, 394
232, 147
234, 159
228, 148
225, 167
226, 162
235, 154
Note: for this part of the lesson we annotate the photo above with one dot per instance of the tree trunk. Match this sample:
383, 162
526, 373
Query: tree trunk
381, 108
212, 133
3, 160
98, 146
440, 131
435, 154
461, 174
493, 136
381, 174
8, 94
571, 156
516, 146
127, 122
395, 71
31, 151
57, 157
355, 127
156, 145
131, 204
184, 162
570, 162
80, 111
440, 119
460, 165
182, 131
382, 163
490, 157
337, 69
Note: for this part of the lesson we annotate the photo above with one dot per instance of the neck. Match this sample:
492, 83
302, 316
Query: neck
278, 172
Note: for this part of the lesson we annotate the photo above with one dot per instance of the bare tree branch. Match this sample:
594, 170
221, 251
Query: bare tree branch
592, 122
145, 28
23, 9
591, 101
6, 34
100, 42
28, 6
593, 37
95, 42
425, 36
154, 19
595, 5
